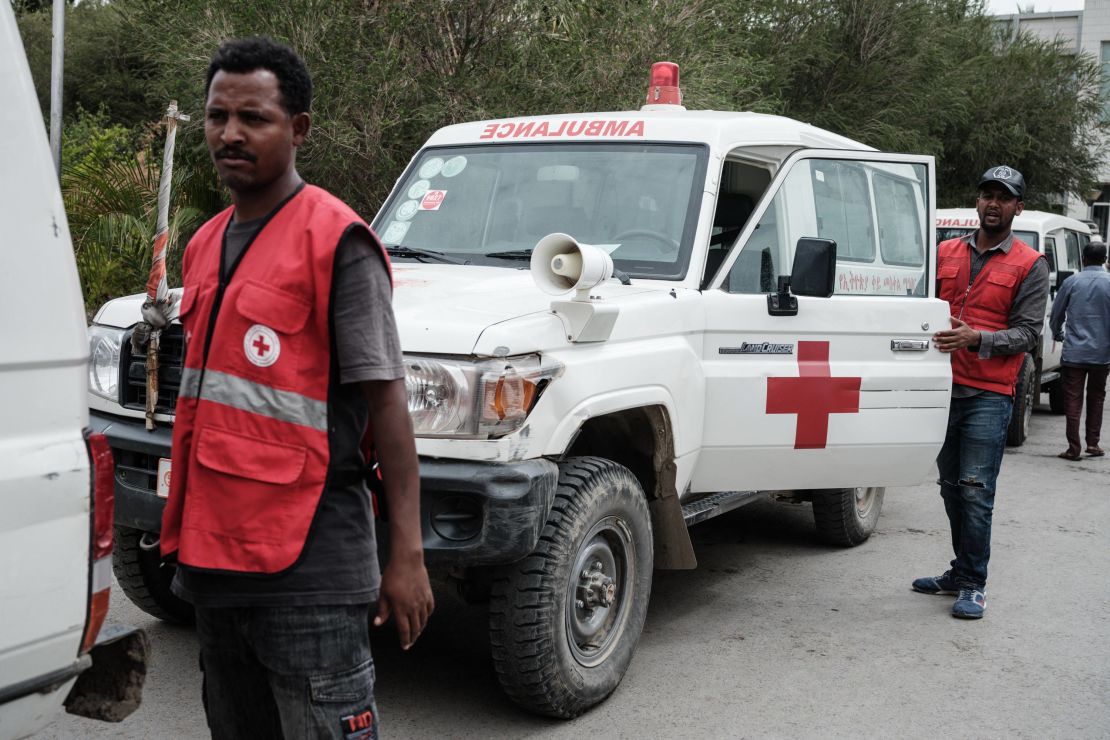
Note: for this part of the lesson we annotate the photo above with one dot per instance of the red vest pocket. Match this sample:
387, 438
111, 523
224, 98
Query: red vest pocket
948, 271
275, 308
1006, 279
246, 457
188, 299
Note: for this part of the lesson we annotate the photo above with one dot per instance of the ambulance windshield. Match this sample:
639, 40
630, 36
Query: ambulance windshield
490, 204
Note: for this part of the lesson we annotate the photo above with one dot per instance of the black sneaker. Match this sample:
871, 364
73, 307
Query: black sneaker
942, 584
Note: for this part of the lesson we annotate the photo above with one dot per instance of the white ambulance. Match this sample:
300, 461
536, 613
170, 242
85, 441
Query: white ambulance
55, 477
617, 325
1061, 240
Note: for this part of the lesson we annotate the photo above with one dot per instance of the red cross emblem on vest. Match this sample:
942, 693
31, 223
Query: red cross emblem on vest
813, 395
261, 345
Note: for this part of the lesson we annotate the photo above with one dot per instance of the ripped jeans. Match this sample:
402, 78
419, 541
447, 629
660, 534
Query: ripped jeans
968, 464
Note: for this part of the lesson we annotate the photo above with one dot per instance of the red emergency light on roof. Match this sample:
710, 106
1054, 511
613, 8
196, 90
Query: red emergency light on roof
664, 88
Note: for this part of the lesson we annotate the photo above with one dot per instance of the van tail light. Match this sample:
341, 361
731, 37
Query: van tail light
100, 548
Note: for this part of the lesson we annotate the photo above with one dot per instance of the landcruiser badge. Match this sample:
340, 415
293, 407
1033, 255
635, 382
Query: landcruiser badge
758, 348
261, 345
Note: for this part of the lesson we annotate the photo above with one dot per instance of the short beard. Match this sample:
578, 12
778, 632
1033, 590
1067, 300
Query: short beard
1002, 228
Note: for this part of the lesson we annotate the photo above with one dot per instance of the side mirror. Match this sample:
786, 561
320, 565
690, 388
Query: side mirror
814, 272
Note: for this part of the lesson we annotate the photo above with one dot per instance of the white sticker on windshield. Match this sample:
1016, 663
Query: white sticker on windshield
454, 166
431, 168
407, 210
395, 232
819, 175
418, 188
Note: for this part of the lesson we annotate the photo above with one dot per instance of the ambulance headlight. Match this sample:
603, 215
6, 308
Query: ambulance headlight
104, 344
490, 398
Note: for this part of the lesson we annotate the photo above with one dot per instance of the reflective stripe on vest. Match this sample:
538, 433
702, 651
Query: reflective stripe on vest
255, 398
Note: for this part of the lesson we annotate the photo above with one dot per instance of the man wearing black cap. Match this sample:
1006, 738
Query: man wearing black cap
997, 289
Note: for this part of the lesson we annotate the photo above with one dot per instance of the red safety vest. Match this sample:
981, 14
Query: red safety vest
250, 441
985, 305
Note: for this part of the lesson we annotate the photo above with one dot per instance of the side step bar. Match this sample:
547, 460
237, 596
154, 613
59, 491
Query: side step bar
716, 504
1048, 377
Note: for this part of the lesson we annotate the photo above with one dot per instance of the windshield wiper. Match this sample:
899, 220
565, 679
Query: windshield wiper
514, 254
397, 250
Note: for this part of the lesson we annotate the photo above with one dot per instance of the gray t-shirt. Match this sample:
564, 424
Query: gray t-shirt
339, 564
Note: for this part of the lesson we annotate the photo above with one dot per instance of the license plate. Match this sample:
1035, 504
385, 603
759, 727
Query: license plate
163, 477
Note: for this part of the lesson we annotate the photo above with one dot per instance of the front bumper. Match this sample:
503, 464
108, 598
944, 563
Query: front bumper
136, 453
472, 513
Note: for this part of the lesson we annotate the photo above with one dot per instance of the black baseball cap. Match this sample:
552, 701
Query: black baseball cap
1007, 177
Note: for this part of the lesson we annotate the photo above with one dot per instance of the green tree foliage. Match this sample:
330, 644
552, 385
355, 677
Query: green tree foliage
110, 187
927, 76
104, 64
935, 77
388, 74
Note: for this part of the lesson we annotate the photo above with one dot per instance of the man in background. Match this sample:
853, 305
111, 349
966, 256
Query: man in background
1084, 304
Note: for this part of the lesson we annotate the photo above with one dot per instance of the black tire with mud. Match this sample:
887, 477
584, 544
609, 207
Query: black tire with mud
146, 579
847, 516
558, 649
1025, 398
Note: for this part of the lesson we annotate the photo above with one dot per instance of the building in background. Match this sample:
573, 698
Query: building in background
1084, 31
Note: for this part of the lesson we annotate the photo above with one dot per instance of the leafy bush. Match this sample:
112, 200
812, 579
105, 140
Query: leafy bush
110, 187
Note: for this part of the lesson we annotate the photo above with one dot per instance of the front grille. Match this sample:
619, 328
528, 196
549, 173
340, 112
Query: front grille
171, 358
136, 469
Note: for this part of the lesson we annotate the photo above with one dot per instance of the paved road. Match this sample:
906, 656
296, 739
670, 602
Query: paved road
776, 636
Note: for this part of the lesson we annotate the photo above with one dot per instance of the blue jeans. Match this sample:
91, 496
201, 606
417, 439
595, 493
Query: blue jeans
288, 672
968, 464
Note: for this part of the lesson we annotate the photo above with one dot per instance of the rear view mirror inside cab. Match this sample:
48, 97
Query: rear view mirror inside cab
557, 173
814, 271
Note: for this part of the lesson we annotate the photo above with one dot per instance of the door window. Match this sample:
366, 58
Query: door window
874, 211
1072, 241
1050, 252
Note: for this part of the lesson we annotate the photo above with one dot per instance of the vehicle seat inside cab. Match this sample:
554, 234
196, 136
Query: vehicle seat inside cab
548, 207
733, 211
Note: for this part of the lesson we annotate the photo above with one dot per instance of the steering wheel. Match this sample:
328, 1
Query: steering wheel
664, 245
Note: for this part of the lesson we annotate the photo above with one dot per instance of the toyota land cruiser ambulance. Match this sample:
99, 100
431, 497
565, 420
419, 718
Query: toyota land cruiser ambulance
617, 325
1061, 240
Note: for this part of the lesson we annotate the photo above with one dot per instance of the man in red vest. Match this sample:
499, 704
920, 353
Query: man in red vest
292, 364
997, 288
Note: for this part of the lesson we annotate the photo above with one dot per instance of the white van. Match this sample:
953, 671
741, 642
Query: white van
1061, 240
56, 493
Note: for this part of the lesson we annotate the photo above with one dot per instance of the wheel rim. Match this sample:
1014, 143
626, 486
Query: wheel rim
600, 591
865, 500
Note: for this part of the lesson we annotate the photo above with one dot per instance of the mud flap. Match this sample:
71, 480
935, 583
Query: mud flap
113, 687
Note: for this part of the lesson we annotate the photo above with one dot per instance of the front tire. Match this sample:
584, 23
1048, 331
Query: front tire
847, 516
1025, 398
146, 578
564, 621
